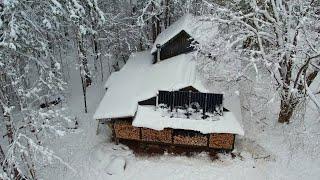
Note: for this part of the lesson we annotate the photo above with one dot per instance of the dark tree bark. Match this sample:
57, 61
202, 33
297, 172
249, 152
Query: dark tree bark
2, 157
154, 30
10, 135
9, 127
287, 108
288, 101
84, 71
156, 27
167, 14
95, 51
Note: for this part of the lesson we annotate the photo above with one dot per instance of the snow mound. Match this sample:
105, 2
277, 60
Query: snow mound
252, 147
116, 166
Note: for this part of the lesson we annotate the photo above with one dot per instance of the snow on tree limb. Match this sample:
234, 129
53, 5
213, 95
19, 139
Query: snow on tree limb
282, 36
313, 98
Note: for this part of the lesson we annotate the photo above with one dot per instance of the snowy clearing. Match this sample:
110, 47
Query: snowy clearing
264, 155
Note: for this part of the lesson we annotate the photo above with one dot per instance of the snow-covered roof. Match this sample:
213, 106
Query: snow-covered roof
198, 29
148, 117
139, 80
111, 78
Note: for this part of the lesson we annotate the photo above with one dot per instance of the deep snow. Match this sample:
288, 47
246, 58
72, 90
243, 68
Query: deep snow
268, 150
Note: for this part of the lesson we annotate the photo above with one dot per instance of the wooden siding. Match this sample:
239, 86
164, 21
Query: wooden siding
123, 129
188, 137
151, 135
221, 141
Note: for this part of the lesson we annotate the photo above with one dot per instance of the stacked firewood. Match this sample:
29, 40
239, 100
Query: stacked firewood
197, 140
164, 136
221, 141
125, 130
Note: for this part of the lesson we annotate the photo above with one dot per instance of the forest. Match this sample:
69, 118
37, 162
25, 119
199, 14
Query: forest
56, 55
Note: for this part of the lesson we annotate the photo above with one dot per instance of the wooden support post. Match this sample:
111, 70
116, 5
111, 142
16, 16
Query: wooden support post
172, 104
234, 139
172, 134
204, 110
189, 103
157, 101
116, 140
97, 131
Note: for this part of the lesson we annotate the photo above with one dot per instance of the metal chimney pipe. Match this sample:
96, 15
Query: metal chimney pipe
158, 52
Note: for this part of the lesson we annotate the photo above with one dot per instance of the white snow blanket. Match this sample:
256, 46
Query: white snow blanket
116, 166
195, 26
148, 117
140, 80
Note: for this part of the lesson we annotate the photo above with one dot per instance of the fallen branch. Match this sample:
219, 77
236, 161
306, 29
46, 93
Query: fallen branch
263, 157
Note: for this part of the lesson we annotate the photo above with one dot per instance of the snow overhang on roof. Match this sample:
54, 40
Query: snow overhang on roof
139, 80
148, 117
199, 29
112, 78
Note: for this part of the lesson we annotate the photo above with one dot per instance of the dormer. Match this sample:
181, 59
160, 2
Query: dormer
175, 40
182, 35
180, 43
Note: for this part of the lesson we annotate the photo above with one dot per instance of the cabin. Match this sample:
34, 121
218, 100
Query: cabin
159, 97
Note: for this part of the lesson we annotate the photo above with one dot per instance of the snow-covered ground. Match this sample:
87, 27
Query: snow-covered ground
268, 150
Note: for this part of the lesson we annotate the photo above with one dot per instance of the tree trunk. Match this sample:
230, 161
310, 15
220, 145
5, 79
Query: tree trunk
158, 25
166, 18
97, 55
95, 51
3, 165
84, 71
101, 69
287, 106
10, 133
9, 126
286, 111
2, 157
84, 62
84, 90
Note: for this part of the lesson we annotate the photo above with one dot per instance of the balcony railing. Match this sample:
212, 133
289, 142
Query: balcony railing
205, 102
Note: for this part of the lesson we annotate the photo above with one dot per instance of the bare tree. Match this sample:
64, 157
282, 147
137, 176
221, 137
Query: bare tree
279, 36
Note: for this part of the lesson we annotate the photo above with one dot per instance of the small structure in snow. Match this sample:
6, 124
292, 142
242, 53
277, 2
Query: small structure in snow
158, 96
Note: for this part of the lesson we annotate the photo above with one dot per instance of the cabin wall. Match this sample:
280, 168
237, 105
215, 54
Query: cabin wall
123, 129
221, 141
181, 43
151, 135
187, 137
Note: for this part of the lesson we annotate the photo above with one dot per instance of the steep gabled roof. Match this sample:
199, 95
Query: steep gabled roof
197, 28
139, 80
